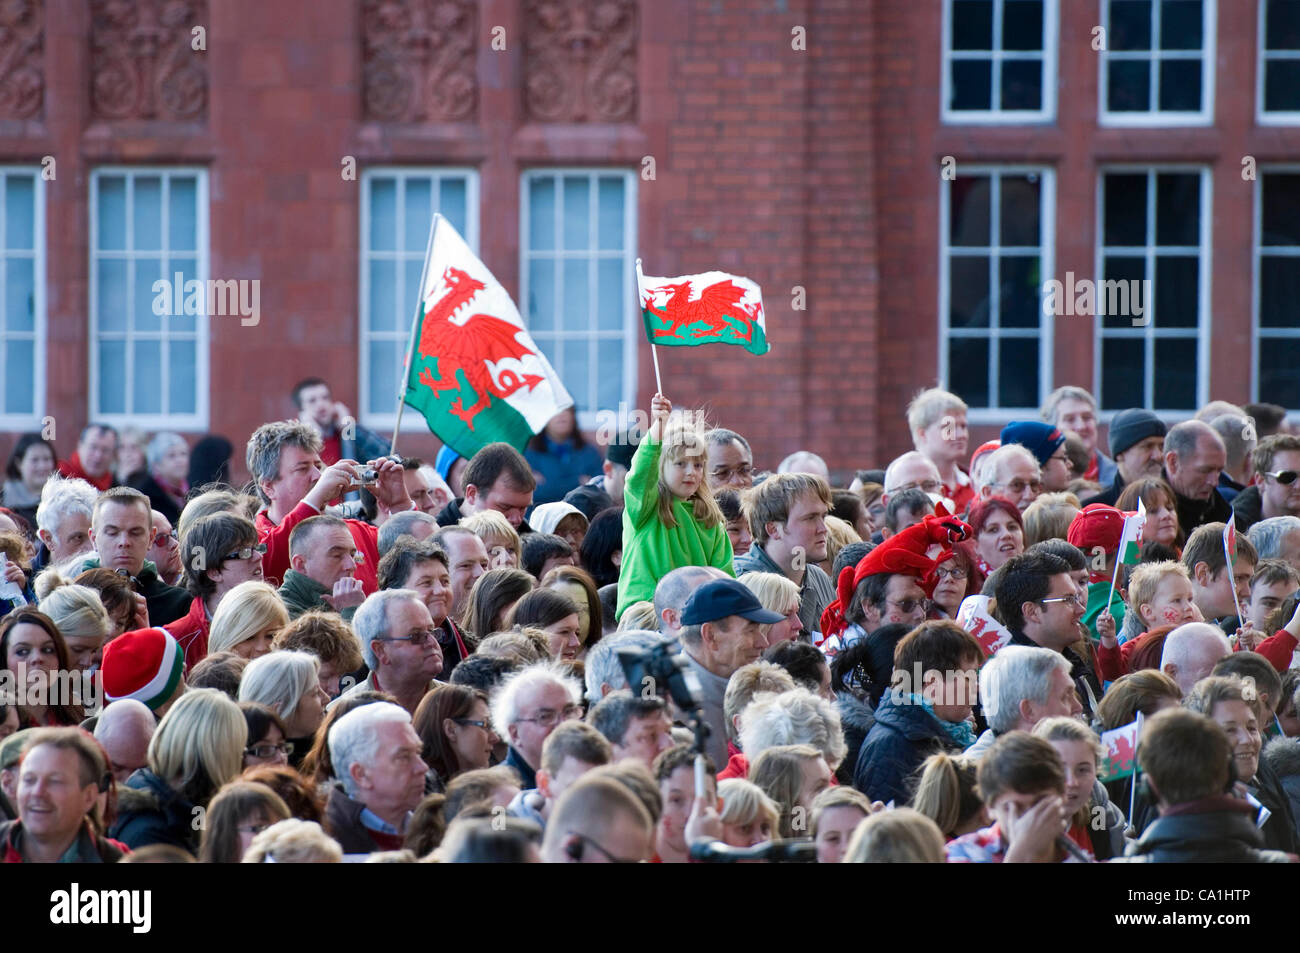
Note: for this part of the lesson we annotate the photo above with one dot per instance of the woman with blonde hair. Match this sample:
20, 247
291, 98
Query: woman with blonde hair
836, 814
946, 794
777, 594
792, 776
1049, 517
1096, 823
198, 747
293, 842
500, 539
239, 812
639, 617
839, 533
80, 616
247, 620
900, 836
749, 817
288, 683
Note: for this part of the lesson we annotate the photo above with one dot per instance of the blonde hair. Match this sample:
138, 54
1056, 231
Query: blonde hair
683, 439
900, 836
1146, 579
841, 795
76, 610
522, 645
639, 616
294, 842
946, 791
1061, 728
929, 406
744, 802
280, 680
776, 592
839, 533
1049, 517
748, 681
199, 744
778, 771
245, 611
490, 526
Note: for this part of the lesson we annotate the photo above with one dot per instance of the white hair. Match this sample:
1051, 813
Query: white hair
401, 524
505, 700
354, 738
161, 445
602, 665
61, 498
1051, 411
991, 465
894, 465
1268, 535
1017, 673
1193, 639
796, 717
371, 622
804, 461
279, 680
434, 479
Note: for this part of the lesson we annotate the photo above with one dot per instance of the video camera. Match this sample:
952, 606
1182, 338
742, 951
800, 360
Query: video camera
652, 669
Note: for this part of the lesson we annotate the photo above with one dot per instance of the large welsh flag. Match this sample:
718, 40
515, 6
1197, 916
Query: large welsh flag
472, 368
711, 308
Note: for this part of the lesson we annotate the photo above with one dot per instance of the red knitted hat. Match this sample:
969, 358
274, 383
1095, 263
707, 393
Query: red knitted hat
1096, 525
145, 664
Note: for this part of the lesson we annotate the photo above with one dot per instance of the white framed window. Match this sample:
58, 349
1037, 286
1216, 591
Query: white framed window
1154, 237
1157, 66
999, 61
397, 208
22, 290
149, 350
1276, 283
577, 281
997, 228
1278, 81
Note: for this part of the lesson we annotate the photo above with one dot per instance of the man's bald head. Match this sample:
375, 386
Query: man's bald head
1191, 652
125, 729
912, 469
673, 591
1194, 458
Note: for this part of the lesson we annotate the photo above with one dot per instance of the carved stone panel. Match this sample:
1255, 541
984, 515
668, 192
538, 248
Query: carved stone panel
142, 64
418, 60
22, 42
580, 60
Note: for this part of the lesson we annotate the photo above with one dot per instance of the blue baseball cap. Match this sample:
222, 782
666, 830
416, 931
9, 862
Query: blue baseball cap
725, 597
1040, 439
443, 463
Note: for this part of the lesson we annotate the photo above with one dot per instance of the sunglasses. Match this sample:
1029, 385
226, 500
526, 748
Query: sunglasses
1285, 477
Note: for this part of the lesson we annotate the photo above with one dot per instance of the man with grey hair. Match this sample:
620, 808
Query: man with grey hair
675, 590
1011, 472
796, 717
1075, 409
399, 643
440, 493
1019, 687
526, 709
730, 461
124, 730
167, 468
417, 523
1277, 538
376, 756
602, 669
1194, 458
63, 518
805, 461
1191, 651
911, 471
1237, 432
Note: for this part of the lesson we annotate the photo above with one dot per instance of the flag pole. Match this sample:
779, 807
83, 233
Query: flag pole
1119, 561
415, 323
1230, 558
654, 350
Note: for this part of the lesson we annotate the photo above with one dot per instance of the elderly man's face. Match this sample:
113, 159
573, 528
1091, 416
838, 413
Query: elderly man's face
70, 538
915, 472
1144, 459
393, 783
730, 465
331, 554
733, 642
421, 662
541, 708
1019, 480
1196, 475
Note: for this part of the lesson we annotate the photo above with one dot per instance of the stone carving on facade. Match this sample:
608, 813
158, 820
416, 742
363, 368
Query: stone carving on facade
419, 61
580, 60
22, 75
142, 61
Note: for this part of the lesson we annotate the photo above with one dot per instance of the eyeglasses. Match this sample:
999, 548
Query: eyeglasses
549, 717
416, 639
246, 553
1285, 477
955, 573
1017, 486
471, 721
926, 486
1077, 599
723, 473
167, 539
612, 858
269, 751
909, 605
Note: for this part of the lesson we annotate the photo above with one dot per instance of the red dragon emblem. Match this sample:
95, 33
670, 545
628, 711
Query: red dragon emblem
470, 347
718, 308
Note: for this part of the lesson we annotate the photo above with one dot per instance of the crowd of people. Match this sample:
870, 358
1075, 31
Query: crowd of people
365, 657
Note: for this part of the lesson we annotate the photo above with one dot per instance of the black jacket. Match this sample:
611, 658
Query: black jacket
903, 736
1194, 513
451, 514
856, 718
1215, 830
166, 603
1109, 495
343, 820
1282, 755
1080, 671
151, 812
159, 498
1247, 508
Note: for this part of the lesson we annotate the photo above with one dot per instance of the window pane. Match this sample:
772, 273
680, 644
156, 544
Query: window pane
1180, 24
419, 214
147, 271
112, 377
1018, 372
1282, 86
111, 294
20, 376
453, 203
577, 213
541, 294
1175, 373
1022, 84
385, 370
611, 214
609, 374
1279, 374
1122, 373
112, 213
181, 322
20, 212
968, 305
1130, 25
972, 85
969, 215
972, 24
146, 378
383, 295
1019, 284
412, 269
182, 385
1282, 25
1279, 296
1178, 204
20, 295
1022, 25
577, 294
541, 213
1180, 85
1020, 210
383, 214
575, 371
182, 211
146, 213
1128, 86
611, 302
1177, 291
1126, 270
1125, 209
968, 370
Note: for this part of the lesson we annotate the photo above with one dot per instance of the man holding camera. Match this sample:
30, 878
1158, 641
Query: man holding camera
294, 485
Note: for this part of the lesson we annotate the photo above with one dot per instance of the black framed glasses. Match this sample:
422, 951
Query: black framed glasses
269, 751
955, 573
246, 553
472, 721
416, 639
1285, 477
612, 858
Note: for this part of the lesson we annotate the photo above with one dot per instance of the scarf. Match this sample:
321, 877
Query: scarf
959, 731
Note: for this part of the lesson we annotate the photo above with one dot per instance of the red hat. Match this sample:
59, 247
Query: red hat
986, 447
1096, 525
145, 664
903, 554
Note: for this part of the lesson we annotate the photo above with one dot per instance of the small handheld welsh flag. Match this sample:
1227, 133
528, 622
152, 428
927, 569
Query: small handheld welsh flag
1130, 541
1120, 747
711, 308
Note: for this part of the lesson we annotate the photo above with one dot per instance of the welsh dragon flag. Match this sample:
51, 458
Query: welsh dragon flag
1130, 542
1120, 747
711, 308
472, 368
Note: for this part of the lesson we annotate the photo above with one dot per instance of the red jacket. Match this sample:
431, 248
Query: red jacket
276, 561
191, 632
71, 467
1114, 663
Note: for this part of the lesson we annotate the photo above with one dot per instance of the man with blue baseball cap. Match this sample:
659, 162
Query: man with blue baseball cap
1047, 444
721, 632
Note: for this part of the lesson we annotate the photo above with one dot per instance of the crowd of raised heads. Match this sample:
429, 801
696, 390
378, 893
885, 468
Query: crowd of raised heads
1047, 648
